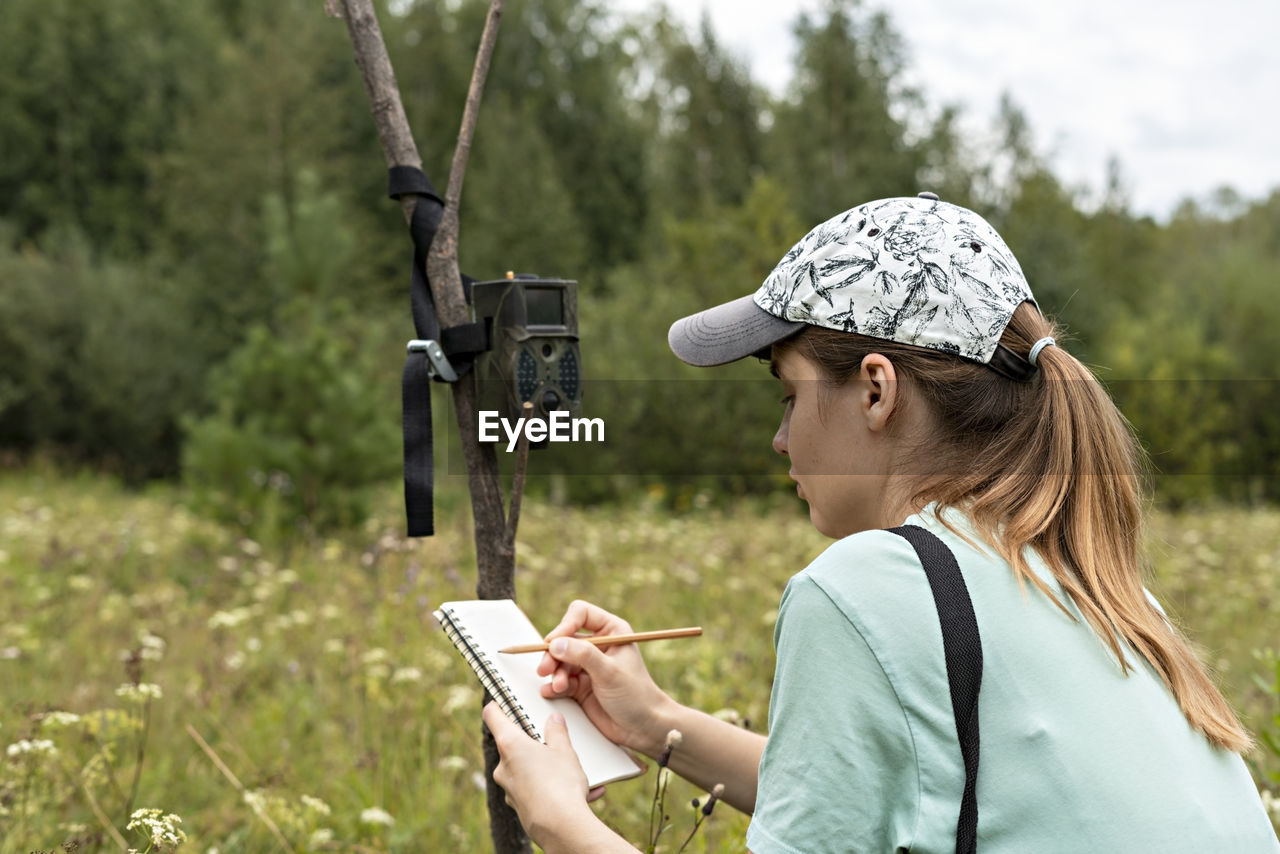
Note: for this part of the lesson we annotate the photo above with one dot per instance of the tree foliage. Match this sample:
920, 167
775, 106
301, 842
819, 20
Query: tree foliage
194, 230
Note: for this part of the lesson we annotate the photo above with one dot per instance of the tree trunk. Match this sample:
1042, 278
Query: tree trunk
495, 551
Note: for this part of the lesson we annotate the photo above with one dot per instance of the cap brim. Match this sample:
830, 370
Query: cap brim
727, 333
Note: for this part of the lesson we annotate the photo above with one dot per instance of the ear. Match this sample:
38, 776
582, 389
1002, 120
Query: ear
880, 390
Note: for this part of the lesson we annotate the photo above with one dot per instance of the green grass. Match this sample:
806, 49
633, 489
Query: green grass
320, 672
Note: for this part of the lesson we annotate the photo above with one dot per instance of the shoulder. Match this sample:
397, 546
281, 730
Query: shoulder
864, 560
862, 576
874, 581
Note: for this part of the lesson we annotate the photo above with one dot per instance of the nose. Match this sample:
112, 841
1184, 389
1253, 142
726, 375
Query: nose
780, 437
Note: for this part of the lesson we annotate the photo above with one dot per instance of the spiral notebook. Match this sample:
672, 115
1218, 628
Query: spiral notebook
479, 628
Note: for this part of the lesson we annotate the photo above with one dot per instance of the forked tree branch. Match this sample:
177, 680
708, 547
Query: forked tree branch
495, 551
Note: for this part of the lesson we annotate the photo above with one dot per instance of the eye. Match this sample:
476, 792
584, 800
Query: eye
873, 232
975, 246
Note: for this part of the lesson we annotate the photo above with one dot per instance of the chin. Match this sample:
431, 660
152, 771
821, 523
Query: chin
836, 529
825, 527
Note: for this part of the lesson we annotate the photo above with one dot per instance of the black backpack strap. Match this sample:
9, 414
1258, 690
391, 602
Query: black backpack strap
962, 648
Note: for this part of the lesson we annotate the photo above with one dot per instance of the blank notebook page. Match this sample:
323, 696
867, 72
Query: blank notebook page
491, 624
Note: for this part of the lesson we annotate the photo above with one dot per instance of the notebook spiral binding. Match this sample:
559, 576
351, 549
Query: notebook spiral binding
493, 683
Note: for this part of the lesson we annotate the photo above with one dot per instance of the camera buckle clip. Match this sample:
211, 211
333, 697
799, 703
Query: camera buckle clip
440, 366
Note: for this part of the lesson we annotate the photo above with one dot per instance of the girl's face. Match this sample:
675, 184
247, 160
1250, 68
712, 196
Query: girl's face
835, 439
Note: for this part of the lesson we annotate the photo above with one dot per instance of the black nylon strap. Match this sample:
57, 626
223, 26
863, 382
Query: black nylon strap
1009, 364
467, 339
415, 392
962, 648
460, 343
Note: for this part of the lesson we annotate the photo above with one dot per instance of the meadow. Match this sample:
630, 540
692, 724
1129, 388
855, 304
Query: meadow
342, 719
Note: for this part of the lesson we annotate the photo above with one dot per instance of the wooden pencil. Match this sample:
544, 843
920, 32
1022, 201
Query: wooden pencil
613, 640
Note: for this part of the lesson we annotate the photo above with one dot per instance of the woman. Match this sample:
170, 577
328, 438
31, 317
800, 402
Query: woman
923, 386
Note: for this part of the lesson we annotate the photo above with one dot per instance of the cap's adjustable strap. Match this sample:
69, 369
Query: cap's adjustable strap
440, 354
1009, 364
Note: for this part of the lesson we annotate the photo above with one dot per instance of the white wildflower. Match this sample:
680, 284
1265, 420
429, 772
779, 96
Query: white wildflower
235, 660
79, 583
452, 763
59, 720
256, 801
253, 644
330, 611
335, 646
152, 646
376, 815
229, 619
315, 805
141, 693
32, 747
377, 655
160, 828
460, 696
406, 674
1271, 803
320, 837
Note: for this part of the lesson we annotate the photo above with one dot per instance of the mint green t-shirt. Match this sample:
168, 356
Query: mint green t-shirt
1075, 755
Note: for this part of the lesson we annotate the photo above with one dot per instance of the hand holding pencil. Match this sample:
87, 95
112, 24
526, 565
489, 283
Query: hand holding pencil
612, 640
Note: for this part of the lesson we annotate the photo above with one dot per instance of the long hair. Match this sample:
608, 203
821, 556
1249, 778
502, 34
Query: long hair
1050, 464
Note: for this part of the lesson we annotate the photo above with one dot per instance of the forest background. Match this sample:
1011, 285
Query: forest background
203, 297
193, 224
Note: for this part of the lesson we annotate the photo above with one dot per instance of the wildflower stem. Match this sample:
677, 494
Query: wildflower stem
110, 828
655, 809
697, 822
226, 772
137, 765
107, 769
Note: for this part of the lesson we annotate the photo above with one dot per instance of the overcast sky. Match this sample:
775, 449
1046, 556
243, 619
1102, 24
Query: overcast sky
1186, 94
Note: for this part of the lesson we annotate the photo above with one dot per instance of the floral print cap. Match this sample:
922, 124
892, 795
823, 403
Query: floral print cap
914, 270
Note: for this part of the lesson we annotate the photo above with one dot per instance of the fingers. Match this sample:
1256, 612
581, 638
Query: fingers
595, 794
577, 656
555, 732
502, 727
583, 616
563, 682
576, 686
